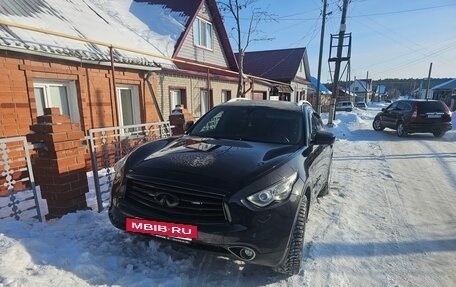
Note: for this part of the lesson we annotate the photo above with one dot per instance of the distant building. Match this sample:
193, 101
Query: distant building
362, 89
324, 92
446, 92
288, 68
380, 93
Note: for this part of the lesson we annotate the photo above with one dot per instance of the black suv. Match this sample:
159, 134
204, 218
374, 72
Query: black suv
415, 116
239, 182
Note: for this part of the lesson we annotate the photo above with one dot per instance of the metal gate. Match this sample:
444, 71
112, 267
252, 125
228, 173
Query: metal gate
18, 193
108, 145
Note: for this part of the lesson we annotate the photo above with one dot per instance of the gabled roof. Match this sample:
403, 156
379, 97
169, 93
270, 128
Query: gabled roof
110, 22
449, 85
278, 65
189, 9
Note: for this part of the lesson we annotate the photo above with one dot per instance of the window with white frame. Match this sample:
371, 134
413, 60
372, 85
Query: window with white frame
226, 96
128, 105
177, 97
202, 33
58, 94
206, 101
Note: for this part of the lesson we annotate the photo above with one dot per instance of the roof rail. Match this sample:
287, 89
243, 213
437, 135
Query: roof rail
237, 99
303, 102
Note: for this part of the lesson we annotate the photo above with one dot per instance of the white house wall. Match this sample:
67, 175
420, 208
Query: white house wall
297, 89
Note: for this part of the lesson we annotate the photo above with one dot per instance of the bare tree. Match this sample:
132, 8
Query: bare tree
245, 35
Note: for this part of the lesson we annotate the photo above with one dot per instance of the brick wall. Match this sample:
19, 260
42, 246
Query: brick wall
193, 86
94, 91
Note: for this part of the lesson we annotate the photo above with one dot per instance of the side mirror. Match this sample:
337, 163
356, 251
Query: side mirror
188, 125
323, 138
383, 109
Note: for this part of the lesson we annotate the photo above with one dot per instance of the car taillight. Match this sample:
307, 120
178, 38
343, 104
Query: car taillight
415, 113
447, 109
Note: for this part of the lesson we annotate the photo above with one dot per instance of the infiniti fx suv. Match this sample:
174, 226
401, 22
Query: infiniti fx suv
240, 182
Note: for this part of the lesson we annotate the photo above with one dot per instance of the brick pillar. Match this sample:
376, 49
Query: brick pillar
59, 167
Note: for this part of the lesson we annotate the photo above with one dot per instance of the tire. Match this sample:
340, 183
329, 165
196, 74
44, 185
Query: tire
325, 190
400, 130
377, 124
292, 262
439, 134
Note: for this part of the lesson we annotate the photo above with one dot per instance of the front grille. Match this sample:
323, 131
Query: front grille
168, 202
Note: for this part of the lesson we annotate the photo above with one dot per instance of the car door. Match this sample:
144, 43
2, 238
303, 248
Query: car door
389, 116
320, 157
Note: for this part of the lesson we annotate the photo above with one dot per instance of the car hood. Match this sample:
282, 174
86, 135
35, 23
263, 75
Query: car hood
219, 165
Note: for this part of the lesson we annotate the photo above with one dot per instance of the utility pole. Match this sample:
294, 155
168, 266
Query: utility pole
338, 60
428, 82
323, 23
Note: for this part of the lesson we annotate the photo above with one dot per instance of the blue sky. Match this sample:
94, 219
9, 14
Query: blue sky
390, 38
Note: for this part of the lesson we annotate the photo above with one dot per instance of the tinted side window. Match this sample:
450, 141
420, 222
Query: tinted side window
404, 106
392, 107
317, 124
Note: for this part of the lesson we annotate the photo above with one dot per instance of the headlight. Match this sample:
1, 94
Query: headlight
119, 167
276, 192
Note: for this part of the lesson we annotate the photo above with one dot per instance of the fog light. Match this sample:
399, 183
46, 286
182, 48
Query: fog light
247, 253
244, 253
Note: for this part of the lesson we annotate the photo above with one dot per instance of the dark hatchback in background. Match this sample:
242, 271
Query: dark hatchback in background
415, 116
239, 182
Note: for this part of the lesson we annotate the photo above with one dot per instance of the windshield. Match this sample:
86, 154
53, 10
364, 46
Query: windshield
251, 123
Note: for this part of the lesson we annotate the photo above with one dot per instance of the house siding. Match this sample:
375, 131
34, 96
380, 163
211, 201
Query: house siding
189, 51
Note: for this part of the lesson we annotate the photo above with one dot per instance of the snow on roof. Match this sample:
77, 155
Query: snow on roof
151, 29
323, 89
449, 85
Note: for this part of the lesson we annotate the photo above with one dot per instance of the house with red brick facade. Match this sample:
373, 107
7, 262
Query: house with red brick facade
106, 63
112, 63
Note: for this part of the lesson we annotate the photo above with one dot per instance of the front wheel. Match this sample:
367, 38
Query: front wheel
292, 262
377, 125
400, 130
439, 134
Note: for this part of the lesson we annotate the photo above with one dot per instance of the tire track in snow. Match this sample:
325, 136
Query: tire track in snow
332, 220
419, 201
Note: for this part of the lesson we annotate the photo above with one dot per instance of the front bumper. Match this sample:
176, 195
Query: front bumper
267, 231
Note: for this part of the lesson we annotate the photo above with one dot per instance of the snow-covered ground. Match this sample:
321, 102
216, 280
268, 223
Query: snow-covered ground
390, 220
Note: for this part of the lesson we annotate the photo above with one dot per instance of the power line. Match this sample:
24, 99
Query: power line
285, 17
402, 11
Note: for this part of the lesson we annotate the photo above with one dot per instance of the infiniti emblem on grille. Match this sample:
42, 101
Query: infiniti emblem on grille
166, 199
